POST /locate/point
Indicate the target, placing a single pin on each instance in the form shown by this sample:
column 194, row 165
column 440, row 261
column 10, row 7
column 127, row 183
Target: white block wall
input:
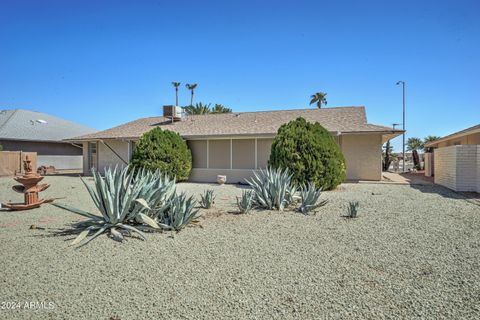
column 458, row 167
column 478, row 168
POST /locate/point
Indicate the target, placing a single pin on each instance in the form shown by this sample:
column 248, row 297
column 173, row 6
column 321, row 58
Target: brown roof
column 457, row 134
column 263, row 123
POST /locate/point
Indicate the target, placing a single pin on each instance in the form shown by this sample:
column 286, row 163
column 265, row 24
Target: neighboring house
column 456, row 160
column 235, row 144
column 30, row 131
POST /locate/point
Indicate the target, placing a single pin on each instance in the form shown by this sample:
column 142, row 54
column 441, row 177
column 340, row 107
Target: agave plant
column 309, row 195
column 157, row 191
column 272, row 188
column 207, row 199
column 179, row 213
column 352, row 209
column 117, row 196
column 245, row 203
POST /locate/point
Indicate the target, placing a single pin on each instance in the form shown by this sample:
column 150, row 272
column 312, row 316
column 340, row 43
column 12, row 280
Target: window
column 219, row 154
column 243, row 154
column 92, row 155
column 199, row 153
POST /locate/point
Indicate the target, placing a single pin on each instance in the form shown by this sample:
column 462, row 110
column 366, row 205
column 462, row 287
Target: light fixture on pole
column 403, row 122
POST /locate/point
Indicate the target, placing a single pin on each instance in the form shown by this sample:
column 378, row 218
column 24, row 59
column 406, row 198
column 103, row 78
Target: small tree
column 198, row 108
column 192, row 88
column 310, row 153
column 220, row 108
column 202, row 108
column 318, row 98
column 387, row 156
column 164, row 150
column 415, row 144
column 176, row 85
column 429, row 139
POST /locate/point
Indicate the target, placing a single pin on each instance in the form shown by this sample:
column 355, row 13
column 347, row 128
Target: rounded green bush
column 164, row 150
column 310, row 153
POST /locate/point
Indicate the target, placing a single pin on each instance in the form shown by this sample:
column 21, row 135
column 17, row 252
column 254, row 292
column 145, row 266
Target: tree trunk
column 176, row 96
column 416, row 159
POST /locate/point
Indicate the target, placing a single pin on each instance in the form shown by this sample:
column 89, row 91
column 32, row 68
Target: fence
column 61, row 162
column 11, row 162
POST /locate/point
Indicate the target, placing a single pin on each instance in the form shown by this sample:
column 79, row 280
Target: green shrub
column 163, row 150
column 310, row 153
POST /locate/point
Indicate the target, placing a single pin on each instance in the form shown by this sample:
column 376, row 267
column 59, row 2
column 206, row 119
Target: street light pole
column 403, row 122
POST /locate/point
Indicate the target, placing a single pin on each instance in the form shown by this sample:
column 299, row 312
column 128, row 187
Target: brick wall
column 458, row 167
column 478, row 168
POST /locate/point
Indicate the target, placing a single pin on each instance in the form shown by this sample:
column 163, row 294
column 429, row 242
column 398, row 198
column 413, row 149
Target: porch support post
column 208, row 153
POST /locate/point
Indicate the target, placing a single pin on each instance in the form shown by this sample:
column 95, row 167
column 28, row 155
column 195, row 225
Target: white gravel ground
column 413, row 253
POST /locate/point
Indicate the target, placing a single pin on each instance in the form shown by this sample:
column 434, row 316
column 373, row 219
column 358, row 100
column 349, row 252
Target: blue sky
column 103, row 63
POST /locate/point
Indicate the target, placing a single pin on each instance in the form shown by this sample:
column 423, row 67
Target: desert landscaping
column 412, row 252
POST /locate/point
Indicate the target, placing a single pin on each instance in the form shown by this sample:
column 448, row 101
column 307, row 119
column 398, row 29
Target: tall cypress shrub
column 310, row 153
column 165, row 150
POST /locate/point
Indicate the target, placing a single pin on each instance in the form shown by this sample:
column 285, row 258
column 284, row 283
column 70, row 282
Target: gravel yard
column 413, row 252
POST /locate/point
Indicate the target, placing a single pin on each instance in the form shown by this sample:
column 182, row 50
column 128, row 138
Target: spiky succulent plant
column 207, row 199
column 245, row 202
column 352, row 209
column 309, row 195
column 179, row 213
column 272, row 188
column 117, row 197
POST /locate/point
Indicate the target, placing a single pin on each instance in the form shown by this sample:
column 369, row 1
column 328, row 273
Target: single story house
column 456, row 160
column 235, row 144
column 30, row 131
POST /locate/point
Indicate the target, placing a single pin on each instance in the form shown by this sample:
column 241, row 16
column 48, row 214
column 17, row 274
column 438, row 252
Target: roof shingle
column 340, row 119
column 26, row 125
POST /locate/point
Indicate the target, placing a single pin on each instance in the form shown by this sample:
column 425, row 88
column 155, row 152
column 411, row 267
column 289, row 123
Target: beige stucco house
column 456, row 160
column 235, row 144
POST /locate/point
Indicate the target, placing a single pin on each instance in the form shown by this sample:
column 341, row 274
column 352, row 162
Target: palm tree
column 415, row 144
column 176, row 85
column 199, row 108
column 319, row 98
column 191, row 87
column 430, row 139
column 220, row 108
